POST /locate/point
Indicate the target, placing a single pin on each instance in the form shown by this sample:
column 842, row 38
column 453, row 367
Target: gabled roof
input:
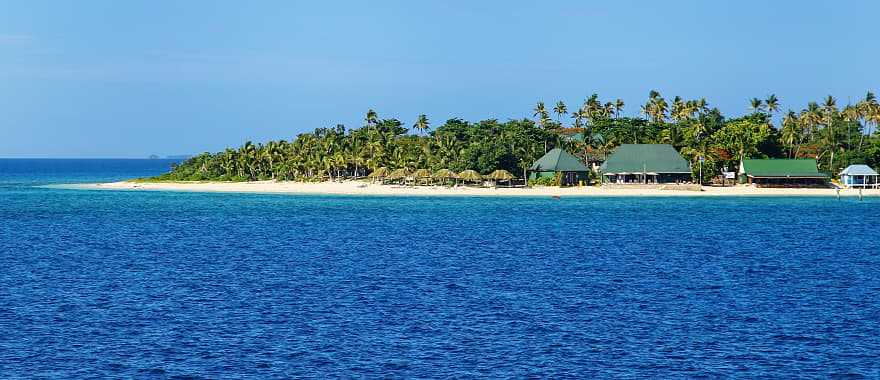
column 558, row 160
column 797, row 168
column 858, row 170
column 649, row 158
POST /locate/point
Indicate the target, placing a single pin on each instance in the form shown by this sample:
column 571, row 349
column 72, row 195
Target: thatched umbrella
column 470, row 176
column 423, row 174
column 500, row 175
column 445, row 175
column 401, row 173
column 379, row 173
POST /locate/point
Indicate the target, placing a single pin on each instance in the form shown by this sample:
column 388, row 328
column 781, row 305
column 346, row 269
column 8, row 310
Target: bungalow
column 782, row 173
column 646, row 163
column 572, row 170
column 859, row 176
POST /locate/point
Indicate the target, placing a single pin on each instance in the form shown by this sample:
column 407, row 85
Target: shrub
column 544, row 181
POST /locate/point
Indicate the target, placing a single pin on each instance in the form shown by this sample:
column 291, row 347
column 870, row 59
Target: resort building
column 859, row 176
column 572, row 170
column 646, row 164
column 782, row 173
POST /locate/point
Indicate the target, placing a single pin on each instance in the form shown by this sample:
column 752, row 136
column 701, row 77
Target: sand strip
column 362, row 188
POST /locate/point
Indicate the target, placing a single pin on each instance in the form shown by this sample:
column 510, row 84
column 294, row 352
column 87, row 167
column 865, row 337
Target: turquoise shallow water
column 164, row 284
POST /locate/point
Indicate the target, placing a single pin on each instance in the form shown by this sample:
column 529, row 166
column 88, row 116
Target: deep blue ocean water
column 165, row 285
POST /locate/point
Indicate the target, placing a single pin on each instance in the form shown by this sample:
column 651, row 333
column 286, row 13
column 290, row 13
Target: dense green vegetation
column 834, row 136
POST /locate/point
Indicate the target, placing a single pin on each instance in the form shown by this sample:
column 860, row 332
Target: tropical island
column 680, row 144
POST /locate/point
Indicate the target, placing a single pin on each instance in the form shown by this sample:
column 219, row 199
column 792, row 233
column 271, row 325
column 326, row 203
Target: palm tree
column 873, row 117
column 772, row 103
column 618, row 107
column 578, row 117
column 560, row 110
column 791, row 133
column 541, row 114
column 756, row 105
column 543, row 119
column 660, row 108
column 830, row 106
column 829, row 112
column 655, row 108
column 270, row 154
column 422, row 124
column 371, row 119
column 808, row 120
column 702, row 106
column 679, row 109
column 607, row 110
column 851, row 115
column 869, row 110
column 228, row 162
column 248, row 158
column 592, row 108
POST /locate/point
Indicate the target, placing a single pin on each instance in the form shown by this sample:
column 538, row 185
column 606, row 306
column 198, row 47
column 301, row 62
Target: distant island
column 711, row 143
column 175, row 157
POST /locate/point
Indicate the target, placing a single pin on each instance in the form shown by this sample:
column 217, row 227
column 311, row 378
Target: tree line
column 834, row 136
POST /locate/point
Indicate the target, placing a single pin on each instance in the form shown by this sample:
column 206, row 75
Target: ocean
column 127, row 284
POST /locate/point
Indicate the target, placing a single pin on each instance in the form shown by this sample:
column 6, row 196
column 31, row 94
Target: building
column 782, row 173
column 571, row 169
column 859, row 176
column 646, row 163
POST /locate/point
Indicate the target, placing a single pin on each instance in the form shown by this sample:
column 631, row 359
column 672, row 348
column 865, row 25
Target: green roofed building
column 646, row 163
column 571, row 169
column 782, row 173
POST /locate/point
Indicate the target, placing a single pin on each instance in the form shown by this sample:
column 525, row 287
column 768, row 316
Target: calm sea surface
column 164, row 284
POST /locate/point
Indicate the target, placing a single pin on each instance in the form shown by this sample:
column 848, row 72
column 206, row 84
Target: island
column 674, row 147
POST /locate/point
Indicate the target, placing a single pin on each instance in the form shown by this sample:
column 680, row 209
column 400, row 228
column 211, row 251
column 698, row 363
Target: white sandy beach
column 363, row 188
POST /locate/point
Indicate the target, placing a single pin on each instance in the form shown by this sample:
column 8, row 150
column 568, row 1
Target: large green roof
column 558, row 160
column 647, row 158
column 799, row 168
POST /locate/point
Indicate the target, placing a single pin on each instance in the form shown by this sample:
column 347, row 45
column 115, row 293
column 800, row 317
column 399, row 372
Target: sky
column 129, row 79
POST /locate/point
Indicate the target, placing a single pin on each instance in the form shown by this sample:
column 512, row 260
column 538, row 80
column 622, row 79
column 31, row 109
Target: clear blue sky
column 132, row 78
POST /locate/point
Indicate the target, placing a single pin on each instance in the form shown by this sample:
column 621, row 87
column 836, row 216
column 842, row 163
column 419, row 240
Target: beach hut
column 470, row 176
column 572, row 171
column 445, row 176
column 801, row 172
column 500, row 175
column 859, row 176
column 378, row 174
column 398, row 175
column 646, row 163
column 422, row 175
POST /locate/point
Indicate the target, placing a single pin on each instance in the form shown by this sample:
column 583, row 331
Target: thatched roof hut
column 399, row 174
column 470, row 175
column 380, row 172
column 500, row 175
column 422, row 173
column 445, row 174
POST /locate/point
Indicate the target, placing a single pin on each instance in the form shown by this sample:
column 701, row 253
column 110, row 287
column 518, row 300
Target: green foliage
column 871, row 156
column 833, row 137
column 545, row 181
column 742, row 137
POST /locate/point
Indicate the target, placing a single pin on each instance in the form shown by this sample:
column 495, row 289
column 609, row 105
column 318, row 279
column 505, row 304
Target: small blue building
column 859, row 176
